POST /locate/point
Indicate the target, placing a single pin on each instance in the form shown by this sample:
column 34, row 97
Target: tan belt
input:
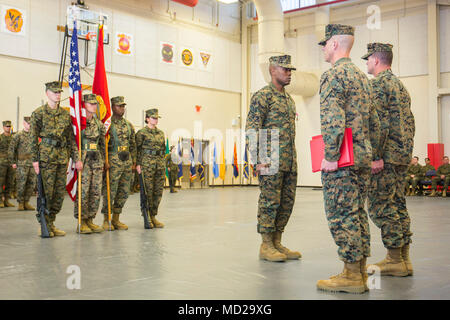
column 90, row 146
column 122, row 148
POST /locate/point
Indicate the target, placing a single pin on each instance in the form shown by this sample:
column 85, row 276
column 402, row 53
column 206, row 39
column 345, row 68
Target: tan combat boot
column 364, row 274
column 95, row 228
column 267, row 250
column 7, row 203
column 105, row 224
column 392, row 265
column 291, row 255
column 350, row 280
column 2, row 204
column 117, row 224
column 28, row 206
column 433, row 194
column 56, row 231
column 156, row 223
column 405, row 256
column 21, row 207
column 444, row 193
column 84, row 229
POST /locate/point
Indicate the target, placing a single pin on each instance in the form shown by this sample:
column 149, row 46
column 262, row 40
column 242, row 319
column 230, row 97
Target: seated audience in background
column 413, row 176
column 442, row 176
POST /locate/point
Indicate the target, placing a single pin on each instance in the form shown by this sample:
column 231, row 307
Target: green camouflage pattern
column 90, row 98
column 387, row 206
column 119, row 100
column 93, row 135
column 336, row 29
column 153, row 166
column 152, row 113
column 120, row 172
column 6, row 123
column 172, row 169
column 345, row 191
column 91, row 191
column 276, row 200
column 54, row 124
column 26, row 183
column 393, row 105
column 386, row 202
column 93, row 162
column 415, row 170
column 445, row 171
column 54, row 181
column 19, row 153
column 282, row 61
column 345, row 102
column 6, row 171
column 273, row 110
column 54, row 86
column 377, row 47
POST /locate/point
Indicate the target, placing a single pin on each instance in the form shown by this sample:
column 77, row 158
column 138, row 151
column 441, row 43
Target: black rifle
column 42, row 208
column 144, row 202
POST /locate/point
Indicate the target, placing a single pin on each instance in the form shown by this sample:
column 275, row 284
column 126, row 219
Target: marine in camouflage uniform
column 387, row 204
column 172, row 168
column 6, row 171
column 151, row 148
column 52, row 124
column 423, row 175
column 20, row 156
column 271, row 118
column 345, row 102
column 121, row 160
column 442, row 175
column 93, row 158
column 413, row 176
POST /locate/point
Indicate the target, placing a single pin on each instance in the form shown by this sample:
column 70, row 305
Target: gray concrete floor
column 209, row 250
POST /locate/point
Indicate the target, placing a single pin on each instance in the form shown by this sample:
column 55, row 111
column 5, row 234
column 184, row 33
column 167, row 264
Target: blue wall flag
column 215, row 165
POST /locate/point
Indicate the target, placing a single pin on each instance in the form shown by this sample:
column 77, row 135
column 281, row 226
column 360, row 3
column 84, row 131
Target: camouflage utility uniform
column 93, row 158
column 272, row 110
column 173, row 172
column 20, row 154
column 6, row 171
column 121, row 157
column 345, row 102
column 416, row 171
column 151, row 148
column 387, row 204
column 57, row 145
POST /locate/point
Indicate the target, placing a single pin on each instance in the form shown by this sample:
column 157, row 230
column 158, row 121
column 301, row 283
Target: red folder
column 318, row 150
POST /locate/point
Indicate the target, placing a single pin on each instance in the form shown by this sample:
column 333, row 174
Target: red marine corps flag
column 77, row 111
column 100, row 88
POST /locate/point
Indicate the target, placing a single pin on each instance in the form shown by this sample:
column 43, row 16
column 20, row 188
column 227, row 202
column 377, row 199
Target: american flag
column 77, row 111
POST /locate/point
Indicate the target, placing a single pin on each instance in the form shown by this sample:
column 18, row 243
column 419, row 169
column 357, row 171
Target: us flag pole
column 78, row 117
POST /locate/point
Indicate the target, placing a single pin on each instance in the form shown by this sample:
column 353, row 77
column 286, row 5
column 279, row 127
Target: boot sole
column 272, row 260
column 353, row 290
column 395, row 274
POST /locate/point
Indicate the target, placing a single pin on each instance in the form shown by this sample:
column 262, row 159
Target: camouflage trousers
column 436, row 180
column 154, row 177
column 91, row 190
column 120, row 177
column 387, row 206
column 413, row 182
column 54, row 181
column 26, row 181
column 172, row 181
column 344, row 193
column 6, row 178
column 276, row 200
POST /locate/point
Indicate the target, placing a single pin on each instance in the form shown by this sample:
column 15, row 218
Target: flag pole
column 108, row 188
column 79, row 185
